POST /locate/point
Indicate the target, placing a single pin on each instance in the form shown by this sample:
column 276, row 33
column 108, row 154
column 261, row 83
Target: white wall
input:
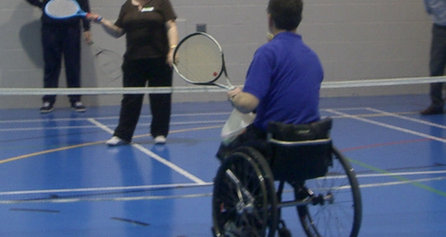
column 355, row 39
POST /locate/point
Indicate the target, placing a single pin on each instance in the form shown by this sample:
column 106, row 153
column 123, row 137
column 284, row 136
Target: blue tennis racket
column 64, row 9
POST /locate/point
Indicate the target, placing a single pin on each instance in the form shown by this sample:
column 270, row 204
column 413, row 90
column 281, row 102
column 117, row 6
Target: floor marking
column 49, row 151
column 369, row 146
column 389, row 126
column 40, row 120
column 196, row 195
column 21, row 129
column 94, row 143
column 99, row 189
column 406, row 118
column 153, row 155
column 399, row 177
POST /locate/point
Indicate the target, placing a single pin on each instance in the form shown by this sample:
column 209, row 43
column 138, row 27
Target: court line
column 196, row 195
column 406, row 118
column 385, row 125
column 21, row 129
column 39, row 120
column 399, row 177
column 156, row 187
column 30, row 155
column 153, row 155
column 49, row 151
column 376, row 169
column 369, row 146
column 153, row 187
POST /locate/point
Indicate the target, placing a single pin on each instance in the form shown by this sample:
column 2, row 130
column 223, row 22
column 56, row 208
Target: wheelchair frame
column 245, row 201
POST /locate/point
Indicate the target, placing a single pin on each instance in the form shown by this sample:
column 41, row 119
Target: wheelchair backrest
column 302, row 151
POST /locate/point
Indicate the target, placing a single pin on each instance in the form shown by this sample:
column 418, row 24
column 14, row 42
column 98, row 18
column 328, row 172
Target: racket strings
column 61, row 8
column 199, row 59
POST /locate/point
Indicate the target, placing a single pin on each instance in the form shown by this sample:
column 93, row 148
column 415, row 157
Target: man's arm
column 243, row 101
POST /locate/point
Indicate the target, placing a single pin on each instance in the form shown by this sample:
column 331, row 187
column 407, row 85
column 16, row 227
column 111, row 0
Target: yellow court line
column 48, row 151
column 16, row 158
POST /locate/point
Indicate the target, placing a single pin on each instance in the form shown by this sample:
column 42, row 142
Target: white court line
column 195, row 185
column 439, row 139
column 101, row 189
column 406, row 118
column 155, row 197
column 153, row 155
column 21, row 129
column 40, row 120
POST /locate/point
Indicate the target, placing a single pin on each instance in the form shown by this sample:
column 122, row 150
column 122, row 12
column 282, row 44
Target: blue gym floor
column 58, row 178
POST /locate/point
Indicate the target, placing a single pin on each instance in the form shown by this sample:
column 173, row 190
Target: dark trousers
column 58, row 42
column 137, row 73
column 437, row 63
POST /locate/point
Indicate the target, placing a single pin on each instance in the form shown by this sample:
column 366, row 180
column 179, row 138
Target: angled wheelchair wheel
column 240, row 203
column 335, row 208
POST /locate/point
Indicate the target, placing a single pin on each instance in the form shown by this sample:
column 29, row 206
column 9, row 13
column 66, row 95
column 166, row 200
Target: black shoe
column 47, row 107
column 78, row 106
column 432, row 110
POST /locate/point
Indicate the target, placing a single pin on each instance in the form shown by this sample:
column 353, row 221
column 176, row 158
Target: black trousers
column 138, row 73
column 61, row 42
column 437, row 63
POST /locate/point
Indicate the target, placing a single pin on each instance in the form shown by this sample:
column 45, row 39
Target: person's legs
column 437, row 65
column 160, row 104
column 130, row 104
column 72, row 56
column 52, row 56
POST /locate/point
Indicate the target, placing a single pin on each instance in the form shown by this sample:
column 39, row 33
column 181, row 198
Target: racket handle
column 94, row 17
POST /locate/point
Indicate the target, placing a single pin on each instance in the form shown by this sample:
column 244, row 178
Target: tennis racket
column 108, row 61
column 64, row 9
column 199, row 60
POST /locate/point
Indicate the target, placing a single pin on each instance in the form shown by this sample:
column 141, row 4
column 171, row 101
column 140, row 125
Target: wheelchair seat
column 300, row 152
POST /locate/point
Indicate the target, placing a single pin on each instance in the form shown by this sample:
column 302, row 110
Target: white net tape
column 201, row 89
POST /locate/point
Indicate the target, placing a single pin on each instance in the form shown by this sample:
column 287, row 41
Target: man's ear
column 270, row 23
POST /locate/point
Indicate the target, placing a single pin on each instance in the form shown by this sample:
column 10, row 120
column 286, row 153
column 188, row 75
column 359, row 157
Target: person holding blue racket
column 283, row 80
column 151, row 37
column 61, row 39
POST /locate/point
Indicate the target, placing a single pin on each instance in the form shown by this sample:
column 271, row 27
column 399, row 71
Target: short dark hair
column 286, row 14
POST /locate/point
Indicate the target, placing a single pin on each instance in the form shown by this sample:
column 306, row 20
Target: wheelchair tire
column 273, row 215
column 240, row 198
column 337, row 210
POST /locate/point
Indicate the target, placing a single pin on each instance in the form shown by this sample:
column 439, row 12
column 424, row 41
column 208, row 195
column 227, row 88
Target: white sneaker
column 160, row 140
column 115, row 141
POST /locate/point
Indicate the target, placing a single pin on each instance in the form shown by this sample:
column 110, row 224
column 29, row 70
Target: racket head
column 63, row 9
column 198, row 59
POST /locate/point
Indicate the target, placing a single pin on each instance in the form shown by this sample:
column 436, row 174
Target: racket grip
column 94, row 17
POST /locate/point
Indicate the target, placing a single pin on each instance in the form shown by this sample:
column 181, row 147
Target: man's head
column 285, row 14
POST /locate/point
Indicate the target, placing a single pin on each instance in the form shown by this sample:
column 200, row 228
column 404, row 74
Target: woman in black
column 151, row 37
column 62, row 37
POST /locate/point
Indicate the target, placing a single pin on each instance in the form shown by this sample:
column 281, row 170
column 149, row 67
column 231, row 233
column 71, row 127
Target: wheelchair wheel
column 336, row 208
column 273, row 211
column 240, row 203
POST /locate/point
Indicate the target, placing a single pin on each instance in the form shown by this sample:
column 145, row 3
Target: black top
column 145, row 29
column 46, row 20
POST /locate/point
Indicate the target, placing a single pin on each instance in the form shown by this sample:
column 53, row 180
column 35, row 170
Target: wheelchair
column 248, row 186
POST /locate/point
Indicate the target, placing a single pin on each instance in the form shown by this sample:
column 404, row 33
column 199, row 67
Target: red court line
column 384, row 144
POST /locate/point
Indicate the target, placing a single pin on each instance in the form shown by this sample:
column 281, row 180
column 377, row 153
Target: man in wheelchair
column 283, row 81
column 287, row 142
